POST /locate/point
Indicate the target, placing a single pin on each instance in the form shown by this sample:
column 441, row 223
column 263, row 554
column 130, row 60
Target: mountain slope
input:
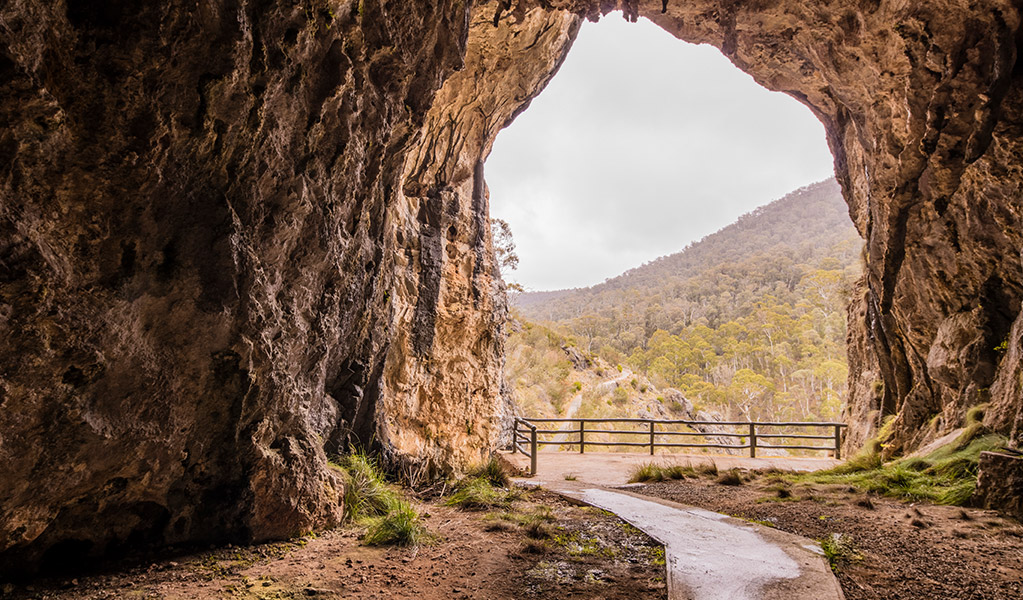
column 750, row 320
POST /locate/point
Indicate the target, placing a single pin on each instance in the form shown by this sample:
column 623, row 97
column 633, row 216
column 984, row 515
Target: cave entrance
column 622, row 160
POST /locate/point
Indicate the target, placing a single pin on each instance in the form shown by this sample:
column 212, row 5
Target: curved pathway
column 709, row 556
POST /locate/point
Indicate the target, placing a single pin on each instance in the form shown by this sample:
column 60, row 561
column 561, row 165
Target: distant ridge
column 807, row 220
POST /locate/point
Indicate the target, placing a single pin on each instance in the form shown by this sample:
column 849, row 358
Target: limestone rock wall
column 237, row 235
column 199, row 224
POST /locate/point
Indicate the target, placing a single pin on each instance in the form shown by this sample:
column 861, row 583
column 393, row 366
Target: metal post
column 515, row 436
column 838, row 442
column 582, row 436
column 532, row 452
column 752, row 439
column 651, row 438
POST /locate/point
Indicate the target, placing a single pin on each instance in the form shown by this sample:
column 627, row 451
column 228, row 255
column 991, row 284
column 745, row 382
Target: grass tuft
column 651, row 472
column 709, row 469
column 730, row 477
column 493, row 471
column 477, row 493
column 400, row 527
column 390, row 519
column 647, row 472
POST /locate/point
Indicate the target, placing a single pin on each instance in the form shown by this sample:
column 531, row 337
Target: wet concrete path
column 711, row 556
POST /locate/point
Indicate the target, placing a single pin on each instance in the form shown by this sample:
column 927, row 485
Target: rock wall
column 238, row 235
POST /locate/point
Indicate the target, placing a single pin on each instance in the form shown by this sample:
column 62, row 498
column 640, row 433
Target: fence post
column 651, row 438
column 752, row 439
column 582, row 436
column 515, row 436
column 838, row 442
column 532, row 452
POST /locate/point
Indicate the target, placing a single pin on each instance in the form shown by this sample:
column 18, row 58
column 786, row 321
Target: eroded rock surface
column 236, row 235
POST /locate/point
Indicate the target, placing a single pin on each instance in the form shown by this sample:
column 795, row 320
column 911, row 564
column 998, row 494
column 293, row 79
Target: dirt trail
column 573, row 407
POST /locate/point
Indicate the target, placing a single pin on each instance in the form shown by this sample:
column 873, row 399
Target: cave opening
column 609, row 181
column 619, row 161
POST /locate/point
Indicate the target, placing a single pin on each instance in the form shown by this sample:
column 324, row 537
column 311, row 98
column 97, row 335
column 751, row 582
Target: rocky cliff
column 237, row 235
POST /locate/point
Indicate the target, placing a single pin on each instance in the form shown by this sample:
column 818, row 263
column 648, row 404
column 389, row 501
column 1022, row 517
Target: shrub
column 619, row 396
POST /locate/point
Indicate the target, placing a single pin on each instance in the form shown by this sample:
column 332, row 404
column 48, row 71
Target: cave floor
column 584, row 553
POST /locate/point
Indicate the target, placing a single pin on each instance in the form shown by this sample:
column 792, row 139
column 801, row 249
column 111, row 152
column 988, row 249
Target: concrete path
column 612, row 468
column 710, row 556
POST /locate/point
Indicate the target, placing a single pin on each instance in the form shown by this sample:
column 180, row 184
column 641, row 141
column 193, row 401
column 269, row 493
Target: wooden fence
column 653, row 434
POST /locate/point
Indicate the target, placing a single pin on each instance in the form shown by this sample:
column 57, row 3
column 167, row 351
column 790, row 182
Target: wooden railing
column 526, row 435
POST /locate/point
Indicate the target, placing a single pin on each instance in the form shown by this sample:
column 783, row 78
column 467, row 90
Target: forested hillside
column 749, row 321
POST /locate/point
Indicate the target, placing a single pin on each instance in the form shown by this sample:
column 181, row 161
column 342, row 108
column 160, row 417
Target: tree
column 504, row 250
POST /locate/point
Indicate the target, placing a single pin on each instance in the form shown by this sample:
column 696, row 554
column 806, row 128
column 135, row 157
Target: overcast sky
column 640, row 145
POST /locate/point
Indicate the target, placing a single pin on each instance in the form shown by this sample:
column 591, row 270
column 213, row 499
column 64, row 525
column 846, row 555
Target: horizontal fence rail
column 653, row 434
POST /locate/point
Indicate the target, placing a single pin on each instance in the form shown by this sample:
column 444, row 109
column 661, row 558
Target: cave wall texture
column 236, row 236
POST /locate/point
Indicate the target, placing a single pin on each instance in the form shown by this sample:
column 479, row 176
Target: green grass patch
column 946, row 476
column 400, row 527
column 577, row 544
column 369, row 500
column 478, row 493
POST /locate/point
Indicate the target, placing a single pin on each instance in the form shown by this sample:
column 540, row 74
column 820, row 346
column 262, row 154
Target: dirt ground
column 583, row 553
column 899, row 550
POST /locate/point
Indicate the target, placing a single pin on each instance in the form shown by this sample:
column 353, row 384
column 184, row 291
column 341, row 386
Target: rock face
column 1000, row 483
column 236, row 236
